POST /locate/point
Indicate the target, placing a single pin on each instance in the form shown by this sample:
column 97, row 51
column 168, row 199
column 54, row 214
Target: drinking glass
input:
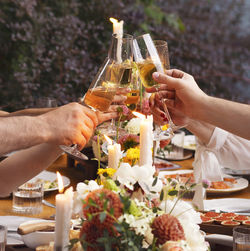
column 115, row 72
column 27, row 199
column 98, row 97
column 151, row 57
column 241, row 239
column 133, row 96
column 3, row 237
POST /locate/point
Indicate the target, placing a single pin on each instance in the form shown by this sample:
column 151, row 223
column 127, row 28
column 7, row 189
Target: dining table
column 79, row 171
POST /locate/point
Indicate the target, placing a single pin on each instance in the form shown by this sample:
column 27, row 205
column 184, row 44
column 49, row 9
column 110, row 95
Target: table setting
column 138, row 197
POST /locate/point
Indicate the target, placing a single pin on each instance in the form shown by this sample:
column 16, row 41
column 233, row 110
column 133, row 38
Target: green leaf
column 111, row 211
column 105, row 204
column 173, row 192
column 155, row 181
column 161, row 195
column 90, row 216
column 102, row 216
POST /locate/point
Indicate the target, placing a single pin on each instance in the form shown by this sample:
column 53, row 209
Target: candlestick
column 146, row 141
column 64, row 204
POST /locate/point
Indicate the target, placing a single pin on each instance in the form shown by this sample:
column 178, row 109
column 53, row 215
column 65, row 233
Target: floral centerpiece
column 130, row 208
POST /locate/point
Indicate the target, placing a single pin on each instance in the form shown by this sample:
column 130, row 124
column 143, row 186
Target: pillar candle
column 114, row 155
column 146, row 141
column 64, row 204
column 118, row 30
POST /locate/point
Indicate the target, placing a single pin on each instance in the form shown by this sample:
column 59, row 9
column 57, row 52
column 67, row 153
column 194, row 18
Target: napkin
column 206, row 167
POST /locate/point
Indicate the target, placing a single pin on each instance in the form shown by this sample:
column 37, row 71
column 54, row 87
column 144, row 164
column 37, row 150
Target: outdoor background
column 54, row 48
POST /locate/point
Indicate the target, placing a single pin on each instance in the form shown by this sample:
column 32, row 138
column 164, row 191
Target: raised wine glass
column 113, row 72
column 98, row 97
column 121, row 52
column 151, row 57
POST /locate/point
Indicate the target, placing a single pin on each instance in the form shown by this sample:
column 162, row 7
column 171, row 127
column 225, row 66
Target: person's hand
column 181, row 91
column 120, row 96
column 156, row 106
column 70, row 124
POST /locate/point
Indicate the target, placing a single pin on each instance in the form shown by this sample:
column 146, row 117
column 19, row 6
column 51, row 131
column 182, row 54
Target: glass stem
column 171, row 123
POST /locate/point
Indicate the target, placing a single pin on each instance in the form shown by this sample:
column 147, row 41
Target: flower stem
column 99, row 151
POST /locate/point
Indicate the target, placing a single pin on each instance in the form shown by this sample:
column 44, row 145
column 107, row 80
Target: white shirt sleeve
column 232, row 151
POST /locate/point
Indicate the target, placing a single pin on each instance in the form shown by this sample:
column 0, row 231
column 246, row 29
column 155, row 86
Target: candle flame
column 113, row 20
column 108, row 139
column 60, row 182
column 139, row 115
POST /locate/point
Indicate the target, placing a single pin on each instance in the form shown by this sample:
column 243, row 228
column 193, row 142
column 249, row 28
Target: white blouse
column 232, row 151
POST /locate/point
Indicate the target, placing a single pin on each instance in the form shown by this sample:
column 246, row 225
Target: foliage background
column 54, row 48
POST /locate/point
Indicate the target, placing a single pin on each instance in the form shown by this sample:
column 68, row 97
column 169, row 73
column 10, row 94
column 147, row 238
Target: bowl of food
column 37, row 232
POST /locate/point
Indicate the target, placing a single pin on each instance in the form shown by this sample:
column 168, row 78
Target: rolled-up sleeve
column 232, row 151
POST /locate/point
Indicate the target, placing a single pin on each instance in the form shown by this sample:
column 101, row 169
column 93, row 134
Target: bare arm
column 190, row 100
column 23, row 165
column 230, row 116
column 20, row 132
column 27, row 112
column 201, row 130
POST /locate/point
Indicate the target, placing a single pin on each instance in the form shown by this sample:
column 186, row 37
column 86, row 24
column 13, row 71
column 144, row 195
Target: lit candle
column 117, row 27
column 114, row 153
column 64, row 204
column 146, row 139
column 118, row 30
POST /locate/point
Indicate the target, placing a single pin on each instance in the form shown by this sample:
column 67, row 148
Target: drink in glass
column 241, row 239
column 27, row 199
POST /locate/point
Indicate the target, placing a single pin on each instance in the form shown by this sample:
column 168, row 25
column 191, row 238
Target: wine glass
column 114, row 72
column 133, row 96
column 121, row 52
column 98, row 97
column 151, row 57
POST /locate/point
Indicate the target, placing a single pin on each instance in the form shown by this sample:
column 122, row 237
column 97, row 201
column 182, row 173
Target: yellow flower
column 165, row 127
column 109, row 171
column 132, row 156
column 133, row 153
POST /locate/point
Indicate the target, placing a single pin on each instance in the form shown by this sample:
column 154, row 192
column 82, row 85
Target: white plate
column 46, row 175
column 233, row 205
column 241, row 184
column 189, row 142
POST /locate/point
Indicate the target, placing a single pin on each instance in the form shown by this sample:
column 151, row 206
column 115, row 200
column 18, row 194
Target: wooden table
column 86, row 170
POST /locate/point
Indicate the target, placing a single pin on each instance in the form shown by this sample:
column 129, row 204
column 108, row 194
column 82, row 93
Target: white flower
column 144, row 176
column 125, row 175
column 82, row 191
column 189, row 220
column 133, row 126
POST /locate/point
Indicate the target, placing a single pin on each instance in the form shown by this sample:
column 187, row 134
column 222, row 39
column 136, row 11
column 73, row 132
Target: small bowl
column 38, row 238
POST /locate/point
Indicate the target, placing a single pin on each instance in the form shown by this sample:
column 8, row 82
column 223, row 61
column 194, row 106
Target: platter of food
column 163, row 165
column 228, row 185
column 222, row 222
column 49, row 180
column 180, row 175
